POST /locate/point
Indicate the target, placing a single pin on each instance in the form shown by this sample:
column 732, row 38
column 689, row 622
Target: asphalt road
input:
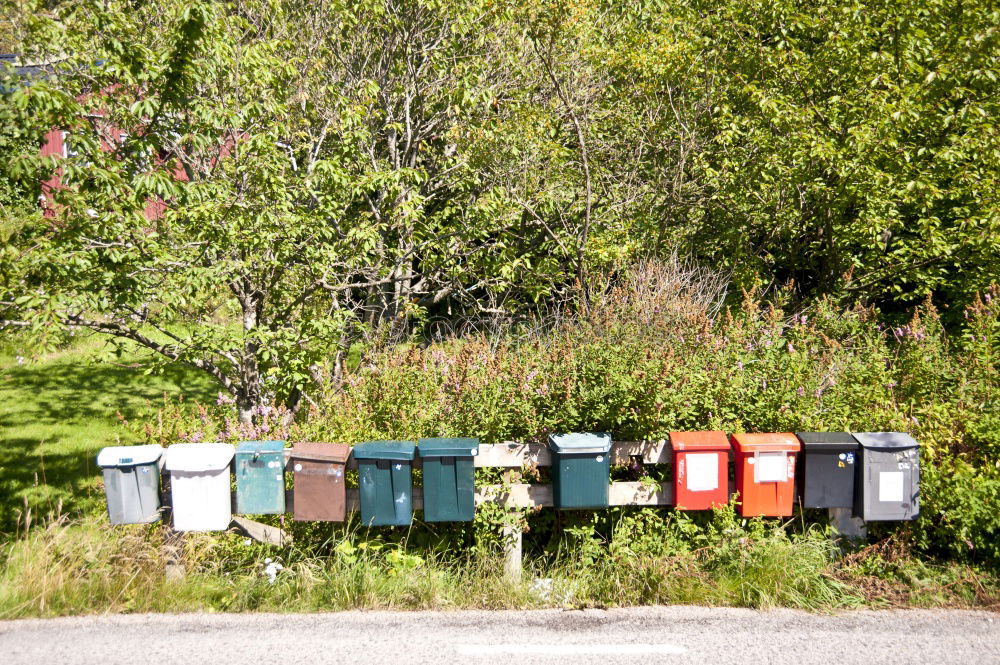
column 647, row 635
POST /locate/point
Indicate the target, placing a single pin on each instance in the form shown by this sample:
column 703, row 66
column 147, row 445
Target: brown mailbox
column 319, row 481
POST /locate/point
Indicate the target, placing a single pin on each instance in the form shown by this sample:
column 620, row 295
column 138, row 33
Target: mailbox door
column 201, row 500
column 320, row 494
column 260, row 483
column 890, row 484
column 386, row 492
column 828, row 478
column 449, row 489
column 119, row 487
column 701, row 479
column 766, row 483
column 133, row 493
column 147, row 482
column 581, row 480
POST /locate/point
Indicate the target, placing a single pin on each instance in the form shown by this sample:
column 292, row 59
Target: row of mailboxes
column 200, row 481
column 877, row 474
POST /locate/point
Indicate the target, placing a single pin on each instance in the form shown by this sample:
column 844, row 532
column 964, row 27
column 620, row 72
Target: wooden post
column 173, row 541
column 848, row 527
column 512, row 548
column 512, row 534
column 173, row 554
column 262, row 533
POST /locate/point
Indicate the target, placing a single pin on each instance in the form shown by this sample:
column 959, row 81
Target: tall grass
column 69, row 568
column 82, row 567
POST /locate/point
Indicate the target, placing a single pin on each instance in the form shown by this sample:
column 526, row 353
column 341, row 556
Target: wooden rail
column 513, row 454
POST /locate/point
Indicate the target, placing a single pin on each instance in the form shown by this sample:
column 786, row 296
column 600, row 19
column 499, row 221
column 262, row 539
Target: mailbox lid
column 440, row 447
column 834, row 442
column 576, row 443
column 764, row 442
column 714, row 440
column 199, row 457
column 886, row 440
column 332, row 453
column 259, row 447
column 387, row 450
column 115, row 456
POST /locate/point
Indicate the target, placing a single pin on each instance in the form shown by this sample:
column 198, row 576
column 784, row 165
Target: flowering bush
column 640, row 362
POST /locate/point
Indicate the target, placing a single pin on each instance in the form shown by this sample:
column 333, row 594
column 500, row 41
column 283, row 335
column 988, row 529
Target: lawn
column 58, row 410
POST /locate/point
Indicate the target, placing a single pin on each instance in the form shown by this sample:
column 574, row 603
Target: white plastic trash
column 200, row 485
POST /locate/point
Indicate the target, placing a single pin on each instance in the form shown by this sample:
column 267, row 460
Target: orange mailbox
column 701, row 469
column 765, row 473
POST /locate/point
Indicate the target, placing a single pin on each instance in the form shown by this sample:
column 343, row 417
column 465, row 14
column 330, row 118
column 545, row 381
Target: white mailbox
column 199, row 485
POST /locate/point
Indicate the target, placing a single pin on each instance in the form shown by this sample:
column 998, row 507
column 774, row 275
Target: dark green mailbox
column 260, row 477
column 581, row 470
column 826, row 473
column 889, row 477
column 385, row 474
column 449, row 479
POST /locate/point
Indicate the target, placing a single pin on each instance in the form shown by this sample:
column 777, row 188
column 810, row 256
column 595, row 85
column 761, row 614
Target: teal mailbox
column 449, row 479
column 581, row 470
column 385, row 476
column 260, row 477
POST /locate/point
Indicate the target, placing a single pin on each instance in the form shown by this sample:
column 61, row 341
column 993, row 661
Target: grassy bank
column 69, row 568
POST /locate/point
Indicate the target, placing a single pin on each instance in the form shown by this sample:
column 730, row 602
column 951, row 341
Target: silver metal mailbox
column 888, row 483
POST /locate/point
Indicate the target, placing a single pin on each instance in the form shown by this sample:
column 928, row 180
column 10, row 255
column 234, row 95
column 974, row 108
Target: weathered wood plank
column 263, row 533
column 513, row 454
column 524, row 495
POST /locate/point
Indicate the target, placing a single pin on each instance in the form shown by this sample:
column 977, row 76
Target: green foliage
column 867, row 131
column 637, row 367
column 341, row 170
column 611, row 367
column 643, row 360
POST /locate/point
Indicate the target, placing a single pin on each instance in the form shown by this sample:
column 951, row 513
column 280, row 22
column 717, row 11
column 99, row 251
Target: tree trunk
column 246, row 409
column 249, row 396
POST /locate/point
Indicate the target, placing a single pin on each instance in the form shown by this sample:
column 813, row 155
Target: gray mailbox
column 888, row 477
column 132, row 483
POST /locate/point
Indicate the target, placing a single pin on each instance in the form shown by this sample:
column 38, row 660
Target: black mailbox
column 827, row 474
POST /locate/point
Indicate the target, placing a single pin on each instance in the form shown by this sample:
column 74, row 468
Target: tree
column 853, row 147
column 310, row 168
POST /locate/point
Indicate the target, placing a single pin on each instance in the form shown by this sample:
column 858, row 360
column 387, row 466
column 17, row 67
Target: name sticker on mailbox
column 890, row 486
column 702, row 471
column 771, row 468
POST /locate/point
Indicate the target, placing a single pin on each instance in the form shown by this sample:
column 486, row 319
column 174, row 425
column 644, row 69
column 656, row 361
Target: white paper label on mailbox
column 771, row 468
column 890, row 486
column 702, row 472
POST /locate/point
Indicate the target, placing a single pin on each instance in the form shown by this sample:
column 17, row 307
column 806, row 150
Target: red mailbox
column 701, row 469
column 765, row 473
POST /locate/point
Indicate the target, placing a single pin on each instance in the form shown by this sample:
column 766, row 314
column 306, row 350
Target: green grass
column 73, row 567
column 58, row 410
